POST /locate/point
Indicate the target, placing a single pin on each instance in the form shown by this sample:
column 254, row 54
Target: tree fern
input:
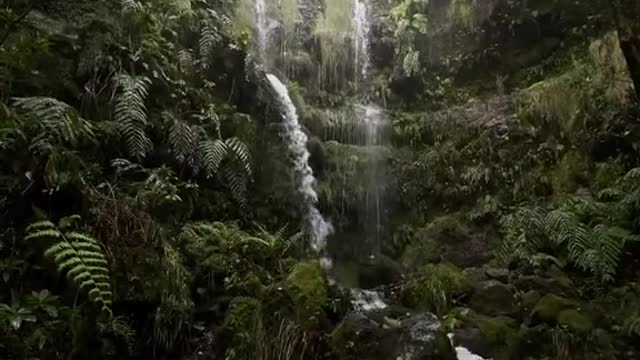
column 79, row 256
column 131, row 113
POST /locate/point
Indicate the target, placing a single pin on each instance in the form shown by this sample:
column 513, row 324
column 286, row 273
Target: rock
column 423, row 339
column 417, row 337
column 489, row 337
column 550, row 306
column 530, row 299
column 536, row 341
column 559, row 284
column 307, row 287
column 498, row 274
column 476, row 274
column 494, row 298
column 575, row 320
column 359, row 337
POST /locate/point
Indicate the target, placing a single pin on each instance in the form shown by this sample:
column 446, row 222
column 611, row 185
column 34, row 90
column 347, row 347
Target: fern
column 79, row 256
column 183, row 139
column 131, row 113
column 209, row 38
column 55, row 123
column 132, row 7
column 583, row 231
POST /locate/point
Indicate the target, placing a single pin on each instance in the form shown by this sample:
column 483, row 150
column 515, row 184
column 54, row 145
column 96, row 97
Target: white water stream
column 296, row 139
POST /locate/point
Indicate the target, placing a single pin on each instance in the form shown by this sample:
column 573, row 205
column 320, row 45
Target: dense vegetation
column 148, row 210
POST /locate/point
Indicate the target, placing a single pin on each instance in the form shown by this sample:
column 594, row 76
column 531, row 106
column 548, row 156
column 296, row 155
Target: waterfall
column 296, row 140
column 361, row 29
column 262, row 29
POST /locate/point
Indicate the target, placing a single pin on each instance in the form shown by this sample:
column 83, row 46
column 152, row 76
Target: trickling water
column 296, row 139
column 361, row 29
column 367, row 300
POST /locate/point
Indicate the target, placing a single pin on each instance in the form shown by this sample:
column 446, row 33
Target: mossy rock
column 494, row 298
column 575, row 321
column 550, row 306
column 307, row 287
column 491, row 337
column 433, row 282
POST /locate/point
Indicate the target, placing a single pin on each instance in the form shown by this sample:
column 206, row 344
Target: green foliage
column 78, row 255
column 591, row 235
column 131, row 113
column 409, row 22
column 244, row 320
column 436, row 287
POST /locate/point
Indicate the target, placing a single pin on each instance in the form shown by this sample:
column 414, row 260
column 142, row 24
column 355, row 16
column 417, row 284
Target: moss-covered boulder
column 550, row 306
column 490, row 337
column 575, row 320
column 435, row 287
column 307, row 287
column 494, row 298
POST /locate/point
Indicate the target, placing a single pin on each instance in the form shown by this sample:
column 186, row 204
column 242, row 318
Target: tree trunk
column 627, row 17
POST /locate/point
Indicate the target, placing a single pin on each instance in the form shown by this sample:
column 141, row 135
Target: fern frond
column 237, row 182
column 79, row 256
column 209, row 38
column 239, row 152
column 213, row 153
column 57, row 121
column 183, row 139
column 131, row 113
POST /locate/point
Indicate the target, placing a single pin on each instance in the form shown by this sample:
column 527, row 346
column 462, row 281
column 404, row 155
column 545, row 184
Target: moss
column 550, row 306
column 436, row 286
column 553, row 105
column 307, row 287
column 575, row 320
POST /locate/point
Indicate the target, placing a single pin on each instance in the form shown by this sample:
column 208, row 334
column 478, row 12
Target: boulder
column 423, row 338
column 494, row 298
column 530, row 299
column 489, row 337
column 417, row 337
column 575, row 320
column 498, row 274
column 559, row 284
column 550, row 306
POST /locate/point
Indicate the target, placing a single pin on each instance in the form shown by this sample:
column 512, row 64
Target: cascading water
column 318, row 228
column 296, row 139
column 361, row 29
column 373, row 124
